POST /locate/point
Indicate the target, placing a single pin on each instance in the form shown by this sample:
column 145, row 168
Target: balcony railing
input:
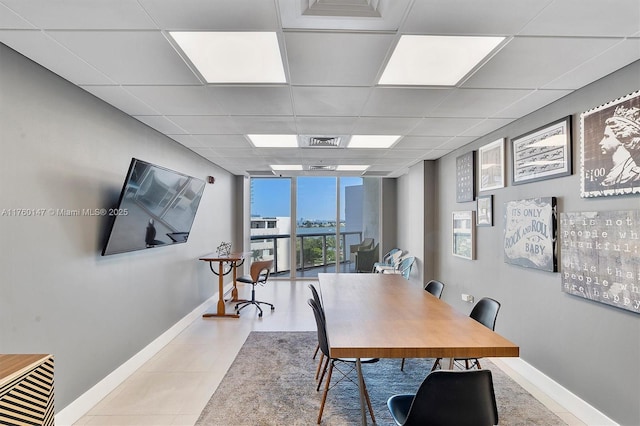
column 309, row 254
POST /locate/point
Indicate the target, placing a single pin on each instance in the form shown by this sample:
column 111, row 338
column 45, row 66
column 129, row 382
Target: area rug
column 271, row 382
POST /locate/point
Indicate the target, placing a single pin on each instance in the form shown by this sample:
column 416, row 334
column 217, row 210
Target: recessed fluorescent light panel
column 274, row 141
column 286, row 167
column 351, row 168
column 372, row 141
column 436, row 60
column 233, row 57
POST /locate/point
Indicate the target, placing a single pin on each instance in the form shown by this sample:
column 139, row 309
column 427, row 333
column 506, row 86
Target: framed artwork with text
column 530, row 233
column 599, row 257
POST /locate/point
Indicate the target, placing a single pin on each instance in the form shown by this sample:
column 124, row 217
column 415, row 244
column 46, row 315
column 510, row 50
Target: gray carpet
column 271, row 382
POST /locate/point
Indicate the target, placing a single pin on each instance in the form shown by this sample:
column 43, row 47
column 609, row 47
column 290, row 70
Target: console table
column 230, row 262
column 26, row 389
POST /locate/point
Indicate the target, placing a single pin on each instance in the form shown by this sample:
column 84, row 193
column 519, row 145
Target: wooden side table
column 226, row 264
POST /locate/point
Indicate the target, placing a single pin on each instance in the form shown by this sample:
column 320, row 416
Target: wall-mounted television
column 156, row 208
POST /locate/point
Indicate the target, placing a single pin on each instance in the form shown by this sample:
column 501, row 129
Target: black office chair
column 434, row 287
column 334, row 363
column 446, row 397
column 259, row 274
column 485, row 312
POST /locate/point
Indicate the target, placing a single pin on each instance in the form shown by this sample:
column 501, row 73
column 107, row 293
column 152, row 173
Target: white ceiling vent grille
column 321, row 168
column 356, row 8
column 321, row 141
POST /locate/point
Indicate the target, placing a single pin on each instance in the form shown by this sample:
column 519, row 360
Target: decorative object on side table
column 224, row 249
column 544, row 153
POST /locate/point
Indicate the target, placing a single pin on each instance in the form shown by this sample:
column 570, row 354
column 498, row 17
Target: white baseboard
column 562, row 396
column 79, row 407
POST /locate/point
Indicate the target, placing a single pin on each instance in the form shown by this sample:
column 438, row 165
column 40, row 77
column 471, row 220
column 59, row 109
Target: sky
column 316, row 196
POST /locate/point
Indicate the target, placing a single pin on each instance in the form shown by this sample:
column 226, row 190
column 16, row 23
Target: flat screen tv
column 156, row 208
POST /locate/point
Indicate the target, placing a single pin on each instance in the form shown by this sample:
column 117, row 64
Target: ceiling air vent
column 321, row 168
column 321, row 141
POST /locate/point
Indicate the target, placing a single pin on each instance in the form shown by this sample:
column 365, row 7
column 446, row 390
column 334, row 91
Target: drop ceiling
column 333, row 52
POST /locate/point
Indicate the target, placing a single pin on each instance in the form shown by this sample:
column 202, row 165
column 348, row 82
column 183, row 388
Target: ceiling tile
column 444, row 126
column 486, row 126
column 530, row 103
column 221, row 141
column 398, row 101
column 421, row 142
column 533, row 62
column 479, row 103
column 463, row 17
column 218, row 15
column 178, row 100
column 161, row 124
column 81, row 14
column 325, row 126
column 336, row 59
column 254, row 100
column 384, row 125
column 204, row 124
column 329, row 101
column 121, row 98
column 40, row 48
column 586, row 18
column 129, row 57
column 264, row 125
column 10, row 19
column 620, row 55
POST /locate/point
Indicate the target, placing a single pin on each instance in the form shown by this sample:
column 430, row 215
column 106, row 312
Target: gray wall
column 590, row 348
column 62, row 148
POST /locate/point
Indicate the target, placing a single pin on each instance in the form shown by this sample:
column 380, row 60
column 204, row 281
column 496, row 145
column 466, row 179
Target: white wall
column 411, row 213
column 62, row 148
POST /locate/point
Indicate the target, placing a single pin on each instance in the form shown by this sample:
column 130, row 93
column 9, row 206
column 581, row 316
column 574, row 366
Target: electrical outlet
column 467, row 298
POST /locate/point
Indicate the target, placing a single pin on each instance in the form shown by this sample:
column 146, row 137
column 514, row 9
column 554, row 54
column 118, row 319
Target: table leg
column 361, row 387
column 221, row 307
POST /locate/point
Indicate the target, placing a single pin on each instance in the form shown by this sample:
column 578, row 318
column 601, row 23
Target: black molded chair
column 259, row 274
column 485, row 312
column 335, row 363
column 445, row 398
column 316, row 297
column 433, row 287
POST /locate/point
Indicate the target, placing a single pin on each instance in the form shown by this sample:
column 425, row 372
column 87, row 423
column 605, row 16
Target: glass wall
column 331, row 215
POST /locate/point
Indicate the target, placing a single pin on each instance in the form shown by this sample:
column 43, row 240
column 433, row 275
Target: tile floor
column 173, row 387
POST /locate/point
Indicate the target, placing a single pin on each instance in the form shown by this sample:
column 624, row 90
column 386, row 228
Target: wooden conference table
column 386, row 316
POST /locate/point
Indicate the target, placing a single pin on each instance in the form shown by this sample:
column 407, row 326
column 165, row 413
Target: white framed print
column 491, row 174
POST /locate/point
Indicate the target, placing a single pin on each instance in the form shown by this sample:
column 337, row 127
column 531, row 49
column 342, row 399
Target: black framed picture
column 544, row 153
column 610, row 148
column 465, row 177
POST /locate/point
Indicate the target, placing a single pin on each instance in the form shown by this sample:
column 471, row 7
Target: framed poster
column 599, row 257
column 610, row 148
column 544, row 153
column 463, row 241
column 465, row 177
column 530, row 233
column 484, row 210
column 491, row 166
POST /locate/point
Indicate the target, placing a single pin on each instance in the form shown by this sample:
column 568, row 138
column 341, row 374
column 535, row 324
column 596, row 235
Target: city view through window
column 329, row 218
